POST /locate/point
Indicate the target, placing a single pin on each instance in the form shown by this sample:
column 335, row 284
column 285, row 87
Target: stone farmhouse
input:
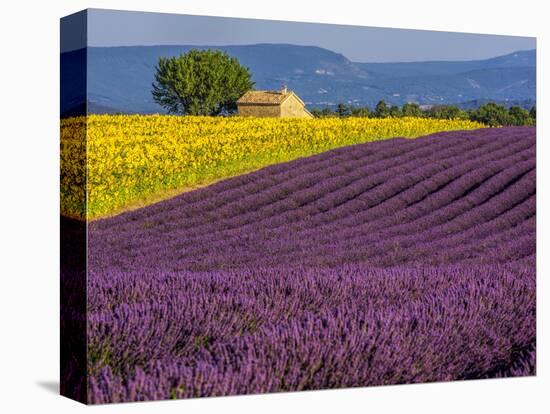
column 279, row 104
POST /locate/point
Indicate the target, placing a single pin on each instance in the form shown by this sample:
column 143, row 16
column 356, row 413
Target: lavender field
column 392, row 262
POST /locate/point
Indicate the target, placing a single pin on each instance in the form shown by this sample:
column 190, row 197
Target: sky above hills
column 360, row 44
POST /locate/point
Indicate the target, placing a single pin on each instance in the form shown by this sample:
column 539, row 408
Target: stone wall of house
column 259, row 110
column 292, row 108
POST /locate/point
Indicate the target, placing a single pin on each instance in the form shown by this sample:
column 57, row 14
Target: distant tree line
column 490, row 114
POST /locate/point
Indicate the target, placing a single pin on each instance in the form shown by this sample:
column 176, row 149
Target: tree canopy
column 395, row 111
column 533, row 113
column 446, row 112
column 381, row 110
column 518, row 116
column 491, row 114
column 411, row 109
column 343, row 110
column 200, row 82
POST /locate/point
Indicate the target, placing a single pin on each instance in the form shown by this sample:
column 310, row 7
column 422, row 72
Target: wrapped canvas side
column 73, row 180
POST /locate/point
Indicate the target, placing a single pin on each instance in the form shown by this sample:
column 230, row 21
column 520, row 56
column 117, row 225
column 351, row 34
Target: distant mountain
column 525, row 58
column 119, row 78
column 504, row 79
column 526, row 103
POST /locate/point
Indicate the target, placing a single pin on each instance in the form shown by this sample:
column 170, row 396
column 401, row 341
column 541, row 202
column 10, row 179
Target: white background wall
column 29, row 239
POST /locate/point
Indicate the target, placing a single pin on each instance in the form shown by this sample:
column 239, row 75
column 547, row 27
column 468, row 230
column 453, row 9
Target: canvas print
column 252, row 206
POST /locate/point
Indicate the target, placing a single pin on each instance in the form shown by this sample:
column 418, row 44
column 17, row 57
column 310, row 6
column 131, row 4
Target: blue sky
column 360, row 44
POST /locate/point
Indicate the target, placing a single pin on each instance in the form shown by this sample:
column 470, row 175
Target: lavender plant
column 390, row 262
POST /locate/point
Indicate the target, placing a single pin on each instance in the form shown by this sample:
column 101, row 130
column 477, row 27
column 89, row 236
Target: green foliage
column 360, row 112
column 177, row 392
column 492, row 114
column 394, row 111
column 411, row 109
column 533, row 114
column 446, row 112
column 381, row 110
column 343, row 110
column 202, row 341
column 200, row 82
column 518, row 116
column 99, row 355
column 316, row 112
column 326, row 112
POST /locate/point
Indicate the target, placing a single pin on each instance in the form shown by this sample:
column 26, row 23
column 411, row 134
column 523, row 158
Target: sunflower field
column 111, row 163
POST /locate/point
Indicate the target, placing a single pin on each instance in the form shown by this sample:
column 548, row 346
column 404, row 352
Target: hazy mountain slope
column 119, row 78
column 524, row 58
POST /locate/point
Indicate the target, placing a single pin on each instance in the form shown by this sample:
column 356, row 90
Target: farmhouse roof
column 266, row 97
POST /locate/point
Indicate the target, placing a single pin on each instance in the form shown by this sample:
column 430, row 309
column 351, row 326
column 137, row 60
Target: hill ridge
column 119, row 78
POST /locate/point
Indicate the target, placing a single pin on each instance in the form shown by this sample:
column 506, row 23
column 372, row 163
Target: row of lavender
column 393, row 262
column 399, row 197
